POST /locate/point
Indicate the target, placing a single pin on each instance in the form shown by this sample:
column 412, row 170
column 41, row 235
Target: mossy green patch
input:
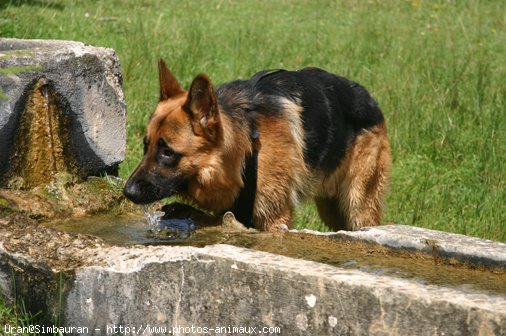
column 3, row 96
column 64, row 197
column 14, row 70
column 4, row 203
column 6, row 54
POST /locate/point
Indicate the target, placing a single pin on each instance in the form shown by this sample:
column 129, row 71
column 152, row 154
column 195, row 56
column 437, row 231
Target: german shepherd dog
column 259, row 147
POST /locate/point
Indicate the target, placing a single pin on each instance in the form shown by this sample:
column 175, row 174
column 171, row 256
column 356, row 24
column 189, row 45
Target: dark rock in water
column 173, row 228
column 179, row 221
column 178, row 210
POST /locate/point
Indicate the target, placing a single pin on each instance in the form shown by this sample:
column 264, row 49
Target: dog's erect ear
column 202, row 106
column 169, row 86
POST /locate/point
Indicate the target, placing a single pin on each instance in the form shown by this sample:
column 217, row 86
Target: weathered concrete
column 86, row 82
column 466, row 249
column 104, row 286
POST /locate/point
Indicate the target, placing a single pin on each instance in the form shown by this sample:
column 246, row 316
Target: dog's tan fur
column 353, row 195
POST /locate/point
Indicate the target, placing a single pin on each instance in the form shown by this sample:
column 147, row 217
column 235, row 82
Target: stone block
column 71, row 85
column 85, row 283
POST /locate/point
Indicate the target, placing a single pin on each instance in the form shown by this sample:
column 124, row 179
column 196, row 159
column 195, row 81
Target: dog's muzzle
column 145, row 189
column 141, row 191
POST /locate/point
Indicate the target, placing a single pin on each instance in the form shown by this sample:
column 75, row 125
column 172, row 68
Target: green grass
column 437, row 68
column 15, row 316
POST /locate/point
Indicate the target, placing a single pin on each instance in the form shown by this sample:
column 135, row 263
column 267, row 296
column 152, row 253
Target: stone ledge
column 226, row 285
column 466, row 249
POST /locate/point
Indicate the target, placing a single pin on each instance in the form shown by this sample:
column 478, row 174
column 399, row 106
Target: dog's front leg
column 271, row 216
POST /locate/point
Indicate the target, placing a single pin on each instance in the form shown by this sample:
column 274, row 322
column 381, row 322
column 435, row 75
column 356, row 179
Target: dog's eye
column 167, row 153
column 168, row 158
column 164, row 150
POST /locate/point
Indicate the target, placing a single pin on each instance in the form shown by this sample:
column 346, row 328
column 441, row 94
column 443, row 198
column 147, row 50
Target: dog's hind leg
column 353, row 195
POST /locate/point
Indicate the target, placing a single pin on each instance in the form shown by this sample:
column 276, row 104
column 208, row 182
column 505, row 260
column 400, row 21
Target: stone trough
column 99, row 276
column 80, row 281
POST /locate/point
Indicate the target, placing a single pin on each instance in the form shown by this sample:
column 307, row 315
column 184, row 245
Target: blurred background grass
column 437, row 68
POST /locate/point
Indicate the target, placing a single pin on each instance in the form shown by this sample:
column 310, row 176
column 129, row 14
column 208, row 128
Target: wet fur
column 321, row 136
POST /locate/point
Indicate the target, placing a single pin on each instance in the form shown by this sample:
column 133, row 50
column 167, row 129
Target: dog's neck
column 218, row 185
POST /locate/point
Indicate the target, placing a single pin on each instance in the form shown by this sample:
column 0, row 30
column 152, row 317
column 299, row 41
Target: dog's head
column 181, row 140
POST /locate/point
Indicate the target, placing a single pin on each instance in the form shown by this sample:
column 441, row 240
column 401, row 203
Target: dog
column 259, row 147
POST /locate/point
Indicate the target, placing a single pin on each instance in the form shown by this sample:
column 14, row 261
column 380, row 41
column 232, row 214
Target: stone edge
column 471, row 250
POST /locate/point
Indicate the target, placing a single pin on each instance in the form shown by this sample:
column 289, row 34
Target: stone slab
column 157, row 288
column 88, row 83
column 466, row 249
column 223, row 285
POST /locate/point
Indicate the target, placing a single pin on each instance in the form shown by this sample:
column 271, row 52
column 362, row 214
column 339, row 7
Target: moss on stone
column 7, row 54
column 14, row 70
column 3, row 96
column 4, row 203
column 65, row 197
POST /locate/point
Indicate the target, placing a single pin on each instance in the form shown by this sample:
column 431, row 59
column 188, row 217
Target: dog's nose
column 133, row 191
column 140, row 191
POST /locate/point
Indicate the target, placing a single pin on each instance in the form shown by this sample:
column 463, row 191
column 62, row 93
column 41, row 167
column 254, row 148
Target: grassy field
column 437, row 68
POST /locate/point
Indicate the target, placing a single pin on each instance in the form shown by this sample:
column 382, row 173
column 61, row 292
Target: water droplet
column 153, row 218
